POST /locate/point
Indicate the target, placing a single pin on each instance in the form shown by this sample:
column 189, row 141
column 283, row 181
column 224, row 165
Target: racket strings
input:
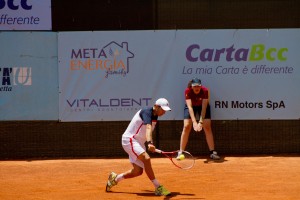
column 186, row 161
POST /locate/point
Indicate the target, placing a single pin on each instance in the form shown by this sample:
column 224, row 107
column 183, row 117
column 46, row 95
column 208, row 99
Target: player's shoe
column 111, row 181
column 214, row 155
column 161, row 191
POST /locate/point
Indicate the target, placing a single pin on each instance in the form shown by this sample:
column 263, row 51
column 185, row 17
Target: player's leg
column 132, row 149
column 187, row 127
column 159, row 189
column 134, row 172
column 114, row 178
column 145, row 158
column 209, row 134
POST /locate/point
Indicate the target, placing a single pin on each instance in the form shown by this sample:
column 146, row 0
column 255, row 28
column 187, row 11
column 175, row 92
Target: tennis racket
column 185, row 161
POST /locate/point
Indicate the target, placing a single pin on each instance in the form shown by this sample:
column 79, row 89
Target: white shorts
column 133, row 149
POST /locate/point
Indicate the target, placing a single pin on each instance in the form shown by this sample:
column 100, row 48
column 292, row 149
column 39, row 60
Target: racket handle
column 158, row 151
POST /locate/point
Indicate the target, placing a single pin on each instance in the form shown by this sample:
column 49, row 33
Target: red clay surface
column 235, row 178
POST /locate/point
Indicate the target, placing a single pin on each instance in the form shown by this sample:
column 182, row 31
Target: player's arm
column 203, row 111
column 192, row 114
column 205, row 102
column 149, row 140
column 191, row 111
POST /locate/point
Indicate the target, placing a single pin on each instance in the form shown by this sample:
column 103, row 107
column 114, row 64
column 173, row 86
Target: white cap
column 163, row 103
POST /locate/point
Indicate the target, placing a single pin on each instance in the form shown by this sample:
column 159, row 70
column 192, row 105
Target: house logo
column 113, row 59
column 120, row 56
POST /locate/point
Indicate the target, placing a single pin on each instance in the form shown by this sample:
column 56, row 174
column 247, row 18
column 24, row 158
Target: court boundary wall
column 52, row 139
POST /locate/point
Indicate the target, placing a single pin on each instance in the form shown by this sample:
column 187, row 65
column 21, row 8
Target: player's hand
column 200, row 126
column 196, row 127
column 151, row 148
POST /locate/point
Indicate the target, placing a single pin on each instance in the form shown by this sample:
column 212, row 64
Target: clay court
column 234, row 178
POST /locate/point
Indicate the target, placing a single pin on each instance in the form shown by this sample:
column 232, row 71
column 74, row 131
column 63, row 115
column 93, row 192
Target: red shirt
column 196, row 98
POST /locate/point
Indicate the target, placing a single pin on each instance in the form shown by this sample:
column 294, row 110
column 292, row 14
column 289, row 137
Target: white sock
column 119, row 178
column 155, row 183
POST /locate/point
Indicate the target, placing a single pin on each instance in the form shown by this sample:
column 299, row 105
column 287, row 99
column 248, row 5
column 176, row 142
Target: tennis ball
column 181, row 157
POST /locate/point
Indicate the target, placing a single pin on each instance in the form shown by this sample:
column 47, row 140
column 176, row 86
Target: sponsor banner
column 28, row 76
column 25, row 15
column 108, row 76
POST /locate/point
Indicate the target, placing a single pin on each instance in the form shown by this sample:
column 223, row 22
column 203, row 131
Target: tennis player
column 136, row 141
column 197, row 108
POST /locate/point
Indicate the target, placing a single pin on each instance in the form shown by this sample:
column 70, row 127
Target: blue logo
column 14, row 6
